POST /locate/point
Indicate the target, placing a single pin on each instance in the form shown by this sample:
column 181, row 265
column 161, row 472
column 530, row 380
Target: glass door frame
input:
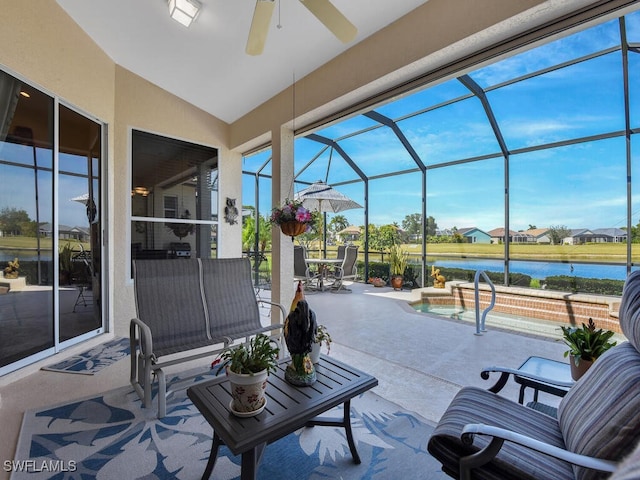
column 101, row 177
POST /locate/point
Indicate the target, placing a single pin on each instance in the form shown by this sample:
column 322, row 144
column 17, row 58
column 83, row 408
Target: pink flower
column 290, row 211
column 303, row 215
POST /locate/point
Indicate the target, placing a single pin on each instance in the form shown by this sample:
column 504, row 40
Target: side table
column 553, row 370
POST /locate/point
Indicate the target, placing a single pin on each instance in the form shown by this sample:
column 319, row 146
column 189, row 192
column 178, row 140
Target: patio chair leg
column 162, row 394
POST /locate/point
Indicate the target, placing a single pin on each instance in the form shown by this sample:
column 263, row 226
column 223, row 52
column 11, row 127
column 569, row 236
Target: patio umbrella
column 324, row 198
column 89, row 203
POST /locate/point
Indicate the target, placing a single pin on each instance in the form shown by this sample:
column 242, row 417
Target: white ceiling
column 205, row 64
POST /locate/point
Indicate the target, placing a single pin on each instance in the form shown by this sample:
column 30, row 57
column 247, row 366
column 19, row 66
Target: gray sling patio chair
column 346, row 271
column 184, row 305
column 231, row 301
column 482, row 435
column 301, row 269
column 82, row 277
column 170, row 319
column 340, row 256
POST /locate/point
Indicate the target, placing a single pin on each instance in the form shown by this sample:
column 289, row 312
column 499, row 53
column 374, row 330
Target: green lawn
column 615, row 252
column 599, row 252
column 31, row 243
column 24, row 242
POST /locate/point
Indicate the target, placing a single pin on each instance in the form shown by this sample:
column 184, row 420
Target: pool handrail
column 480, row 323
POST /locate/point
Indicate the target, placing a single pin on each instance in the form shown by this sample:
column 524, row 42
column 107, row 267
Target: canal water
column 539, row 270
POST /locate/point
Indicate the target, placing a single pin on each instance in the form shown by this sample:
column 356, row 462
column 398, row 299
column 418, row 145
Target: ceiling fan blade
column 332, row 18
column 259, row 26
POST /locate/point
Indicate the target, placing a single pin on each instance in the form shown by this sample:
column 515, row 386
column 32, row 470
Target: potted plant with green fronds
column 248, row 366
column 398, row 263
column 585, row 344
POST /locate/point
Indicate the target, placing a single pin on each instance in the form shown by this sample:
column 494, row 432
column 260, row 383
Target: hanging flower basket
column 292, row 218
column 293, row 228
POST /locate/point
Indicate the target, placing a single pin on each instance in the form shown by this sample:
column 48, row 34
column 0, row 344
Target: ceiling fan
column 324, row 11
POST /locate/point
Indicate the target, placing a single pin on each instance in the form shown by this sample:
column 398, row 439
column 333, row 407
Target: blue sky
column 580, row 186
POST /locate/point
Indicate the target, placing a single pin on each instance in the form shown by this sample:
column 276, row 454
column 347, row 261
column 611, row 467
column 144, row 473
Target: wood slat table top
column 288, row 407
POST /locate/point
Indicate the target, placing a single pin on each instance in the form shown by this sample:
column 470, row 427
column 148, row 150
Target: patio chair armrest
column 505, row 372
column 268, row 328
column 140, row 331
column 502, row 434
column 275, row 304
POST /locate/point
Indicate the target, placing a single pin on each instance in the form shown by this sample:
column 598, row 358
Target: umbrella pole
column 324, row 234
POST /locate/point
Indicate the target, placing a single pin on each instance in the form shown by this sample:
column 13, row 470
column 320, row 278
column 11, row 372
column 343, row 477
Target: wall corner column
column 229, row 185
column 282, row 290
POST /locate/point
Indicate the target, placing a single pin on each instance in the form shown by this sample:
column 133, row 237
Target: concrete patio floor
column 421, row 361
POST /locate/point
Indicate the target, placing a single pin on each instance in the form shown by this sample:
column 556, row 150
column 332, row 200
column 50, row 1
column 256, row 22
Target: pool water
column 497, row 319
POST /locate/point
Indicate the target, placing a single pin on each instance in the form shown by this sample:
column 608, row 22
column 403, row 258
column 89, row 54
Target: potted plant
column 292, row 218
column 322, row 337
column 398, row 265
column 585, row 344
column 248, row 366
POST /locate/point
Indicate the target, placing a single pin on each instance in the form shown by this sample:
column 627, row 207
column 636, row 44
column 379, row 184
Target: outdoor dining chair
column 346, row 271
column 301, row 269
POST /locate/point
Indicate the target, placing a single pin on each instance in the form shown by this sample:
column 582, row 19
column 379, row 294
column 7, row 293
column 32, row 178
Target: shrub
column 598, row 286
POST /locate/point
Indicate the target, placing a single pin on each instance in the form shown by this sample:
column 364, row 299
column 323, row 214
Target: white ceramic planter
column 315, row 352
column 247, row 392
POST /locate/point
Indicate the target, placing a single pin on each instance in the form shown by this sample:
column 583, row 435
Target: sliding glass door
column 50, row 224
column 79, row 224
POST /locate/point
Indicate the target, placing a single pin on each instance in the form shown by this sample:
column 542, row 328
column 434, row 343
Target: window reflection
column 79, row 295
column 26, row 220
column 177, row 181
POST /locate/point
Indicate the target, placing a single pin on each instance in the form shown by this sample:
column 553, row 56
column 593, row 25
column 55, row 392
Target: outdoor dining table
column 323, row 268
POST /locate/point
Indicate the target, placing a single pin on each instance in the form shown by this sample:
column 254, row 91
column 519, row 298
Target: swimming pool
column 519, row 323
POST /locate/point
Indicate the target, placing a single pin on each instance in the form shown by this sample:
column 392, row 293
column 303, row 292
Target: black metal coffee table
column 288, row 409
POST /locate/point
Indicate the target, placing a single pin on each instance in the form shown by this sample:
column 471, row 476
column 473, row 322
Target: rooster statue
column 299, row 331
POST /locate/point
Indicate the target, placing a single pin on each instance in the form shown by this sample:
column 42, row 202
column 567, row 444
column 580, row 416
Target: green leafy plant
column 260, row 353
column 323, row 336
column 398, row 260
column 587, row 342
column 65, row 256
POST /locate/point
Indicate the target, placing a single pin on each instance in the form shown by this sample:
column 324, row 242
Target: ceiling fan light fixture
column 184, row 11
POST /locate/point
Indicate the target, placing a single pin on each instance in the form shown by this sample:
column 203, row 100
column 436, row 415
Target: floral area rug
column 111, row 436
column 94, row 359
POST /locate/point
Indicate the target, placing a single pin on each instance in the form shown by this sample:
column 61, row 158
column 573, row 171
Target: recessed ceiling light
column 24, row 94
column 184, row 11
